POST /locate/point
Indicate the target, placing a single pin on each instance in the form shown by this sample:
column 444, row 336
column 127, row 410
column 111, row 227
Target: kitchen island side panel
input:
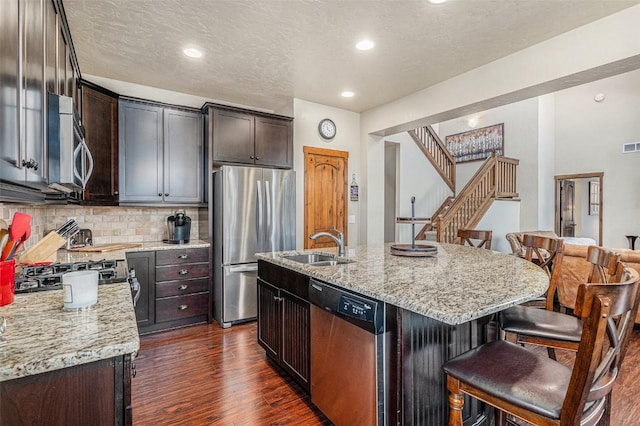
column 426, row 344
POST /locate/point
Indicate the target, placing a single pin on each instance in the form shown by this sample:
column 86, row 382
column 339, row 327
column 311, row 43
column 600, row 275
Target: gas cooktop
column 49, row 277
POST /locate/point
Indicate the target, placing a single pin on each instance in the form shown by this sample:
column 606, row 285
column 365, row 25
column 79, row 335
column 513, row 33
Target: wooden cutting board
column 98, row 248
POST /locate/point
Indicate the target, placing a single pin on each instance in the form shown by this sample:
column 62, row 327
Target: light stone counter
column 65, row 256
column 460, row 284
column 40, row 337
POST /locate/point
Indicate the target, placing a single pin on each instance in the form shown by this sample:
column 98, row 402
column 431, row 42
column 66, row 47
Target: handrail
column 437, row 153
column 435, row 218
column 496, row 178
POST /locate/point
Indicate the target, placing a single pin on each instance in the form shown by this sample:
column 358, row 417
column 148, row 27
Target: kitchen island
column 71, row 368
column 434, row 309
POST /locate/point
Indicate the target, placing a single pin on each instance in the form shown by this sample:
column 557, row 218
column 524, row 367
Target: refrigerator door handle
column 259, row 219
column 268, row 246
column 243, row 268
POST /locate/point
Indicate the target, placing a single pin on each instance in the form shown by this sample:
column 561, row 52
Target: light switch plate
column 352, row 218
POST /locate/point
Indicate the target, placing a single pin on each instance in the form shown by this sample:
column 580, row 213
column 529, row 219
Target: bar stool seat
column 541, row 324
column 516, row 375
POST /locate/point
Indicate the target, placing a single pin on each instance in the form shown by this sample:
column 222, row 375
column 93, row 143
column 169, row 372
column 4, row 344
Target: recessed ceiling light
column 347, row 94
column 192, row 52
column 437, row 1
column 365, row 45
column 599, row 97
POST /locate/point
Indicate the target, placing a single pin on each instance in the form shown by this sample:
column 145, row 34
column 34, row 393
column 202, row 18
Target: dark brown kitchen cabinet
column 100, row 120
column 36, row 51
column 175, row 288
column 283, row 319
column 247, row 137
column 22, row 92
column 97, row 393
column 161, row 154
column 144, row 265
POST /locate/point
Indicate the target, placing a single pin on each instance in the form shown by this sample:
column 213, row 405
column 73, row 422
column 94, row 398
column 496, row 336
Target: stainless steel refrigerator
column 253, row 212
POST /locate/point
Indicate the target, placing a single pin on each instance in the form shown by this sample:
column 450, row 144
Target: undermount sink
column 317, row 259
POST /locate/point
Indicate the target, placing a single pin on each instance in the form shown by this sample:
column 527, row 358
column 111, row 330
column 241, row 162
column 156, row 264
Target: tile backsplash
column 107, row 224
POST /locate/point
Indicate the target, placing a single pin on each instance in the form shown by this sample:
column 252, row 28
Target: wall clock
column 327, row 128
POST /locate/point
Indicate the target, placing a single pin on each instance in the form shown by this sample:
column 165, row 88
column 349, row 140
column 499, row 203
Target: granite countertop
column 41, row 337
column 458, row 285
column 65, row 256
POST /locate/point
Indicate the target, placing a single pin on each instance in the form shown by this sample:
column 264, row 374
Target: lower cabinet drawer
column 178, row 307
column 177, row 288
column 182, row 272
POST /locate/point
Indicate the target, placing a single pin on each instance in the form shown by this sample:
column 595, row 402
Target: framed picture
column 476, row 144
column 594, row 198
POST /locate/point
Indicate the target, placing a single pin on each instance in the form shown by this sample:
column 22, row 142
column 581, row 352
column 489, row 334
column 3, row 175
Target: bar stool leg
column 456, row 402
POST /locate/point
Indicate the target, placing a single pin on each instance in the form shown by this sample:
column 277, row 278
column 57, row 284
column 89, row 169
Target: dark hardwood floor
column 206, row 375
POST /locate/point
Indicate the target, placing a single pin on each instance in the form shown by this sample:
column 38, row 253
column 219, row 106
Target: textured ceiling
column 264, row 53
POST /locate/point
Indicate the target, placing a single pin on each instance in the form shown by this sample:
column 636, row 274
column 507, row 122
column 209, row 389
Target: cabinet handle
column 159, row 194
column 278, row 299
column 183, row 287
column 116, row 192
column 183, row 272
column 257, row 158
column 183, row 307
column 183, row 256
column 31, row 164
column 251, row 157
column 166, row 194
column 133, row 370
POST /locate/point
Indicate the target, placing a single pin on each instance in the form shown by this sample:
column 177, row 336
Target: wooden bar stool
column 483, row 238
column 539, row 390
column 544, row 327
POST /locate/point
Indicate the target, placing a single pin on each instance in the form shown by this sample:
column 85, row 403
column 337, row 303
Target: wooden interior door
column 567, row 208
column 325, row 194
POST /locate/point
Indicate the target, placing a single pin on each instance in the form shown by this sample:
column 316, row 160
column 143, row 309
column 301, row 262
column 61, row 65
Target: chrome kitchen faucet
column 339, row 239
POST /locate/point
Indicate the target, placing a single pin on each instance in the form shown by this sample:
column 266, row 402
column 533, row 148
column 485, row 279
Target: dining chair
column 545, row 327
column 544, row 251
column 528, row 385
column 481, row 238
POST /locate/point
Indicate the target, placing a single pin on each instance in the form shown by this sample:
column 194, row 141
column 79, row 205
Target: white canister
column 80, row 289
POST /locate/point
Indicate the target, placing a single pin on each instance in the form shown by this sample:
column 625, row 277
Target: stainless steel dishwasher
column 346, row 355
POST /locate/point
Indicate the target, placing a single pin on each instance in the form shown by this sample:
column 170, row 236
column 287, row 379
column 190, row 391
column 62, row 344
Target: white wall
column 520, row 141
column 546, row 162
column 501, row 218
column 416, row 177
column 589, row 137
column 605, row 47
column 305, row 133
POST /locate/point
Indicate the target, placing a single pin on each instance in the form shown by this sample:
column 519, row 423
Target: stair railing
column 496, row 178
column 437, row 153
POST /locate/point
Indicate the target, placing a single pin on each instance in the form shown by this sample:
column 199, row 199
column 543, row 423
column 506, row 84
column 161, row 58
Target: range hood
column 69, row 160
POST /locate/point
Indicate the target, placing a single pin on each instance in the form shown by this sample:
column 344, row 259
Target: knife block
column 45, row 250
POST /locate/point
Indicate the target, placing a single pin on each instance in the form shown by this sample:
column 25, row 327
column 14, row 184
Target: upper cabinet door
column 183, row 156
column 10, row 152
column 33, row 94
column 100, row 119
column 233, row 136
column 141, row 152
column 274, row 142
column 51, row 41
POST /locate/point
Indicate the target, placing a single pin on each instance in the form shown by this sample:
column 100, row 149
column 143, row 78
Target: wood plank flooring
column 206, row 375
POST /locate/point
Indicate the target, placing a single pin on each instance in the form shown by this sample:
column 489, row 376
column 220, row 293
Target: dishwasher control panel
column 356, row 308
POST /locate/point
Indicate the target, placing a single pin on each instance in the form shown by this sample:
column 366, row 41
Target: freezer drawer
column 239, row 293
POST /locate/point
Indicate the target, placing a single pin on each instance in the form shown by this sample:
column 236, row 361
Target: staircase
column 495, row 179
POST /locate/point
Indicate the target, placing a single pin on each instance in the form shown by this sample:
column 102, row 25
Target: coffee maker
column 179, row 228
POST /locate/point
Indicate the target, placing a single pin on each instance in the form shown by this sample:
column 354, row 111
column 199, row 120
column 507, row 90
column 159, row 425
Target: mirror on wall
column 578, row 206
